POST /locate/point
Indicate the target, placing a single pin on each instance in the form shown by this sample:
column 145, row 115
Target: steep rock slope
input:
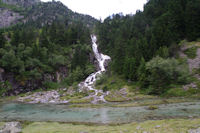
column 38, row 14
column 8, row 17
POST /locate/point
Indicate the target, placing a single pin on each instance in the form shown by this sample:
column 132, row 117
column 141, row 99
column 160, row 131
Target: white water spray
column 90, row 80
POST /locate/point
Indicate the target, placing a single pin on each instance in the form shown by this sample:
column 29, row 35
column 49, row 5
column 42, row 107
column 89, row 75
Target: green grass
column 83, row 100
column 113, row 82
column 1, row 124
column 186, row 43
column 159, row 126
column 180, row 92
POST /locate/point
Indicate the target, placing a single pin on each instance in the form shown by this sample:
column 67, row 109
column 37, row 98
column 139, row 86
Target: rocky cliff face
column 8, row 17
column 24, row 3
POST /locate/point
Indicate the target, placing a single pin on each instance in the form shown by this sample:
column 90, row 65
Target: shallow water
column 62, row 113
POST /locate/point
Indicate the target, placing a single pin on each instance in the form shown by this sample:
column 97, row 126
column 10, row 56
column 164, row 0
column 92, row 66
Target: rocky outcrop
column 192, row 63
column 17, row 86
column 43, row 97
column 106, row 63
column 11, row 127
column 8, row 17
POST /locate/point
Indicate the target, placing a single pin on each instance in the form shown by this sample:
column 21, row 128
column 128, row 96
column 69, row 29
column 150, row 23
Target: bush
column 161, row 73
column 4, row 87
column 179, row 92
column 191, row 52
column 102, row 80
column 51, row 85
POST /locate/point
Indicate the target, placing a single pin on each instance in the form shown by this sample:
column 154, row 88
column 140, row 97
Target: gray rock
column 8, row 17
column 43, row 97
column 138, row 127
column 123, row 91
column 12, row 127
column 157, row 126
column 106, row 63
column 192, row 85
column 194, row 130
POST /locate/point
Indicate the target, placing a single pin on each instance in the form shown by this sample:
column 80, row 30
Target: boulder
column 12, row 127
column 194, row 130
column 106, row 63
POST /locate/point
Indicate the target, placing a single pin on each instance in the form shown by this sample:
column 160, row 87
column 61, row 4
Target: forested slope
column 135, row 42
column 50, row 45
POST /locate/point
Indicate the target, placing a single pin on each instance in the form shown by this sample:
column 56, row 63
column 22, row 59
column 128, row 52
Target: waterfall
column 90, row 80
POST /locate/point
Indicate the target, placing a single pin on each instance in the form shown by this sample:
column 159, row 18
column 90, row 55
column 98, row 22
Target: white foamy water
column 90, row 80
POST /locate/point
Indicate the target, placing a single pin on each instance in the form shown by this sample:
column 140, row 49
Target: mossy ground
column 159, row 126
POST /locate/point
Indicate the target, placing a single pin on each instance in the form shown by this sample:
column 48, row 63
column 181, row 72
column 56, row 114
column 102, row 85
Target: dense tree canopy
column 133, row 40
column 31, row 52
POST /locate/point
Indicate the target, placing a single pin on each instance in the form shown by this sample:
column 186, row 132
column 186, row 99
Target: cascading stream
column 90, row 80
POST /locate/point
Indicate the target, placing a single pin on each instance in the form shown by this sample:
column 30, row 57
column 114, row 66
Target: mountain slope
column 38, row 14
column 47, row 46
column 144, row 46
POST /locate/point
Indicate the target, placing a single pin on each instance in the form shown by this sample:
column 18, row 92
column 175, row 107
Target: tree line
column 142, row 45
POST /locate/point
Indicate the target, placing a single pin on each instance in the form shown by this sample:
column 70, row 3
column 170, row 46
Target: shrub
column 191, row 52
column 161, row 73
column 4, row 87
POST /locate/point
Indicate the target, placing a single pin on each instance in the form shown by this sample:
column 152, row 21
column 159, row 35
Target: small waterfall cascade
column 90, row 80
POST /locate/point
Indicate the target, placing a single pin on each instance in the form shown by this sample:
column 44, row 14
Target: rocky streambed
column 43, row 97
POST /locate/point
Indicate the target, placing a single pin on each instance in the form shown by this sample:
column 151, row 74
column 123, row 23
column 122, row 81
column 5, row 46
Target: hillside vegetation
column 51, row 46
column 144, row 47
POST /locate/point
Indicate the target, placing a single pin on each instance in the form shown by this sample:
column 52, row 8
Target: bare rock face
column 8, row 17
column 106, row 63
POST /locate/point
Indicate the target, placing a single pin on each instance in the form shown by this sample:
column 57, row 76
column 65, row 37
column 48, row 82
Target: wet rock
column 106, row 63
column 96, row 64
column 12, row 127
